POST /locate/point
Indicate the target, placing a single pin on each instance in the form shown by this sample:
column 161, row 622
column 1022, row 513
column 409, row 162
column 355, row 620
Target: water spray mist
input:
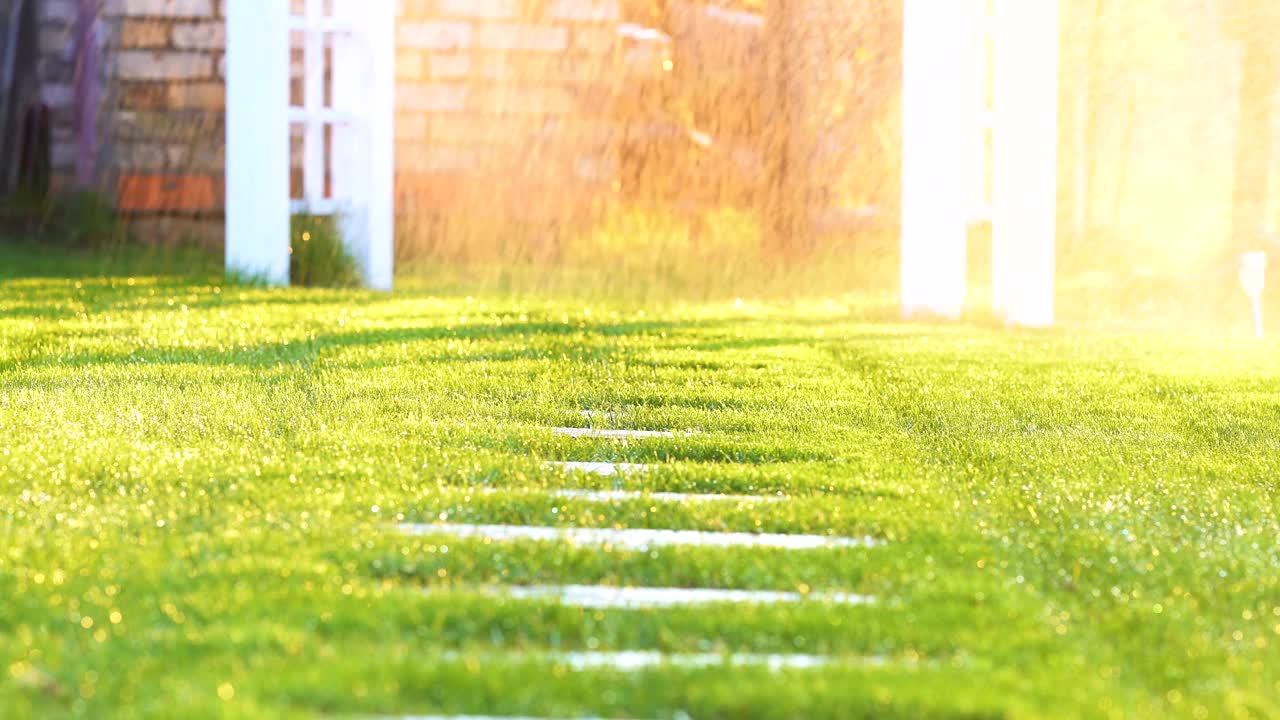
column 1253, row 276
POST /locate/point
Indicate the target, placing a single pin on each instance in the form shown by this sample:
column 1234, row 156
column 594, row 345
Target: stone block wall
column 159, row 148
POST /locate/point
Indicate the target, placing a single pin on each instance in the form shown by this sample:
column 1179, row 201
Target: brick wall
column 532, row 111
column 515, row 92
column 165, row 123
column 509, row 96
column 56, row 72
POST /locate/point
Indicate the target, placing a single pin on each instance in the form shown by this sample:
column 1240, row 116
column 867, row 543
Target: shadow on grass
column 308, row 350
column 36, row 284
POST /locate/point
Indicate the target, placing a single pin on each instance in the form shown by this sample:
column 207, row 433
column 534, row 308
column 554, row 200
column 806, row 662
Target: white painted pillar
column 364, row 145
column 314, row 65
column 1025, row 161
column 978, row 102
column 257, row 142
column 939, row 60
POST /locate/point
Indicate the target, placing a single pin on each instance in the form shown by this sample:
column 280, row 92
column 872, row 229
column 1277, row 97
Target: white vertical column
column 939, row 61
column 378, row 260
column 1025, row 161
column 313, row 102
column 257, row 173
column 364, row 145
column 978, row 103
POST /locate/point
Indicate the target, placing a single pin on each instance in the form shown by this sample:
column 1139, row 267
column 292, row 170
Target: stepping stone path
column 634, row 598
column 595, row 597
column 603, row 469
column 622, row 495
column 478, row 717
column 637, row 538
column 635, row 660
column 608, row 434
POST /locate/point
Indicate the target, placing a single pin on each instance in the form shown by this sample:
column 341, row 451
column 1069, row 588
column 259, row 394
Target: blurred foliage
column 317, row 255
column 648, row 254
column 80, row 220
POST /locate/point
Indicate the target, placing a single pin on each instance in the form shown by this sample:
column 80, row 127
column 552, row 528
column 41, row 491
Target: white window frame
column 361, row 119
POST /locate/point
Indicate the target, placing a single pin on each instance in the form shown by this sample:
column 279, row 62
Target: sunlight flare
column 1253, row 279
column 1024, row 161
column 939, row 56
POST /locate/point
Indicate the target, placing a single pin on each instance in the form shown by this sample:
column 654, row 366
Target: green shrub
column 317, row 255
column 82, row 220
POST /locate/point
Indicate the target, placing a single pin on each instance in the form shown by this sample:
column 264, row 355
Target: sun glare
column 939, row 108
column 946, row 117
column 1024, row 160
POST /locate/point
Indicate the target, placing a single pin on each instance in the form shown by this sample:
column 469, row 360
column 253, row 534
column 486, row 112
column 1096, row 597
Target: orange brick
column 201, row 95
column 523, row 198
column 595, row 40
column 411, row 65
column 429, row 192
column 144, row 34
column 144, row 96
column 189, row 193
column 418, row 9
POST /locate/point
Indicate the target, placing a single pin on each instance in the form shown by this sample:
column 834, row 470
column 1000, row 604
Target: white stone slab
column 603, row 496
column 640, row 660
column 638, row 538
column 604, row 469
column 635, row 660
column 598, row 597
column 612, row 434
column 475, row 717
column 623, row 495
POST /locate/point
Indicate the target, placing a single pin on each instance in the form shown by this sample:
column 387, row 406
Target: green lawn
column 200, row 488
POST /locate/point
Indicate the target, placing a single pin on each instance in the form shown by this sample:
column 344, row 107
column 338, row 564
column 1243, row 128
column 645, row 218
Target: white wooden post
column 348, row 132
column 257, row 142
column 314, row 158
column 978, row 102
column 364, row 147
column 1025, row 161
column 939, row 57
